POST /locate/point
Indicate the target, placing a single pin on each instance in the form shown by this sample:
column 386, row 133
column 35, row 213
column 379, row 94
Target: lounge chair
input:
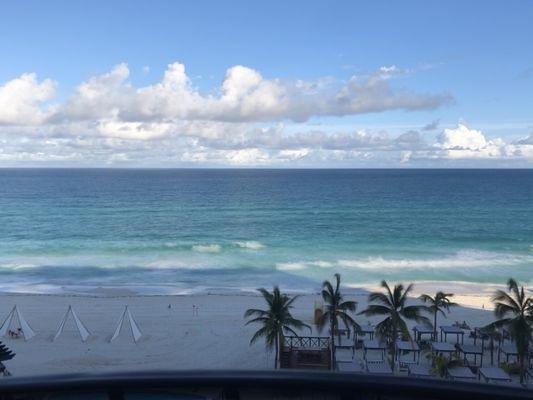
column 379, row 368
column 460, row 373
column 494, row 374
column 352, row 366
column 419, row 371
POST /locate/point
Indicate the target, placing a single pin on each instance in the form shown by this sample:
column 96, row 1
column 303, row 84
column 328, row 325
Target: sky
column 314, row 84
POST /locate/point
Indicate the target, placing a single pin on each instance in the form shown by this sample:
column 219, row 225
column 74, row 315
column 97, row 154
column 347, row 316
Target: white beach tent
column 15, row 322
column 82, row 329
column 134, row 328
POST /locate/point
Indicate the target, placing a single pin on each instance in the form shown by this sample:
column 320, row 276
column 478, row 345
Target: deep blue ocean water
column 194, row 230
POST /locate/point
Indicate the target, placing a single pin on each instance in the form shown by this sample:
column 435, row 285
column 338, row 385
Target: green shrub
column 442, row 363
column 511, row 368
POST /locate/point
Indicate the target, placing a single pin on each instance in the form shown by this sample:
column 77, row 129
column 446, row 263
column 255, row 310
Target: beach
column 174, row 338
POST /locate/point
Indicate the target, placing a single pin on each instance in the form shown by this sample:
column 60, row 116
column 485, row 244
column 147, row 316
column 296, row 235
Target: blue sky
column 451, row 65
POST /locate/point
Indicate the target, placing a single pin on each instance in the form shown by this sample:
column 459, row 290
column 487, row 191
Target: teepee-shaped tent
column 135, row 331
column 16, row 323
column 82, row 329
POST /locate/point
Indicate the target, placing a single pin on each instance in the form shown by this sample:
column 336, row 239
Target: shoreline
column 466, row 294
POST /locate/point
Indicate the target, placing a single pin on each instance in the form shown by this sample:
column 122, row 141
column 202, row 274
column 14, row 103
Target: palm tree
column 336, row 309
column 276, row 320
column 515, row 311
column 392, row 305
column 438, row 304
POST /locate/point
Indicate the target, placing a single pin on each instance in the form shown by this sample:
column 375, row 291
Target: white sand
column 174, row 338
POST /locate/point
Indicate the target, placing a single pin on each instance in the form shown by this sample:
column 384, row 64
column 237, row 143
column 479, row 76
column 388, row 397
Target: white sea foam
column 207, row 248
column 170, row 263
column 321, row 264
column 295, row 266
column 250, row 244
column 462, row 259
column 21, row 265
column 123, row 262
column 290, row 266
column 171, row 244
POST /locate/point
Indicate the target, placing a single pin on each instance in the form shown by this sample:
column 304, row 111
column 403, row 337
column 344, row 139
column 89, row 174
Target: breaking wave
column 207, row 248
column 462, row 259
column 250, row 244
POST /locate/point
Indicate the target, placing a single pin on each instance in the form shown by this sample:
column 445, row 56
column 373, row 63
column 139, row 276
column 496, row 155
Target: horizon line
column 271, row 168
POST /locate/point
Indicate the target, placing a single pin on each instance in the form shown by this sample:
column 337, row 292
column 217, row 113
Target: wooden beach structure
column 420, row 330
column 406, row 353
column 471, row 350
column 306, row 352
column 446, row 330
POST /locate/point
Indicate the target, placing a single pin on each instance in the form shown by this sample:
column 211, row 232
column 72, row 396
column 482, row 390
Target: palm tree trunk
column 277, row 353
column 435, row 327
column 522, row 367
column 332, row 344
column 391, row 345
column 522, row 347
column 491, row 349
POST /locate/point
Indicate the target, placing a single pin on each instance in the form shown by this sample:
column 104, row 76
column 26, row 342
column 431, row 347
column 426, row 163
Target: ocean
column 185, row 231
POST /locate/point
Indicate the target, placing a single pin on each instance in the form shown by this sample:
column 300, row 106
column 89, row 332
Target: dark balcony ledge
column 302, row 382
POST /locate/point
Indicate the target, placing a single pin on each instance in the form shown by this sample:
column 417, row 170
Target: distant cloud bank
column 247, row 121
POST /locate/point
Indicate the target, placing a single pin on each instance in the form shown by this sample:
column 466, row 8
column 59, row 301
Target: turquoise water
column 195, row 230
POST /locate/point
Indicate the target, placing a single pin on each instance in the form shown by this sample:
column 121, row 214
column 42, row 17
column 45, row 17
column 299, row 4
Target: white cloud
column 204, row 143
column 405, row 156
column 225, row 135
column 244, row 96
column 410, row 140
column 291, row 155
column 101, row 97
column 520, row 151
column 134, row 130
column 247, row 157
column 462, row 138
column 244, row 122
column 465, row 143
column 21, row 100
column 526, row 140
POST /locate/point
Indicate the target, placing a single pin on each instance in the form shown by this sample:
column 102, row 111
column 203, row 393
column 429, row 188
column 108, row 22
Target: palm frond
column 502, row 309
column 426, row 298
column 254, row 311
column 338, row 282
column 262, row 332
column 504, row 298
column 323, row 320
column 377, row 297
column 347, row 320
column 375, row 309
column 403, row 329
column 406, row 292
column 327, row 295
column 291, row 300
column 258, row 319
column 290, row 330
column 296, row 323
column 348, row 306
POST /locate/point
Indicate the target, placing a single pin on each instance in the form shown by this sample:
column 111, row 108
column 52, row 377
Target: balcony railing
column 307, row 342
